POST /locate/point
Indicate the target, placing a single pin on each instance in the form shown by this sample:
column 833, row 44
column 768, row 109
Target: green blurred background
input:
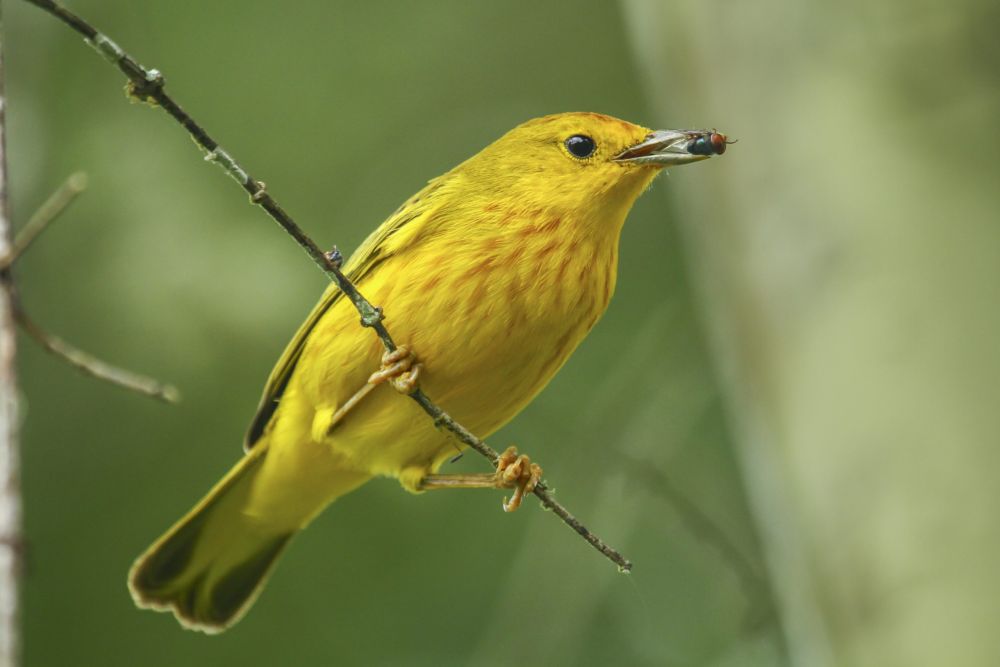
column 788, row 418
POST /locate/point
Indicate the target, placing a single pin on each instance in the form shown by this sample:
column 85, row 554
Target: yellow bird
column 492, row 275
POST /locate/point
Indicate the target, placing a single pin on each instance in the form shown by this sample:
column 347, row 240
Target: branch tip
column 77, row 182
column 94, row 367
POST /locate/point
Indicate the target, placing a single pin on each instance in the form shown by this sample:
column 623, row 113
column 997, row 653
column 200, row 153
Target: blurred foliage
column 848, row 257
column 345, row 109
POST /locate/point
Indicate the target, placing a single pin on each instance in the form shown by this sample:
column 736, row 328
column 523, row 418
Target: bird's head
column 584, row 161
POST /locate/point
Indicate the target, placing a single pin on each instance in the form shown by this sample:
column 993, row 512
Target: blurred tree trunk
column 10, row 488
column 848, row 253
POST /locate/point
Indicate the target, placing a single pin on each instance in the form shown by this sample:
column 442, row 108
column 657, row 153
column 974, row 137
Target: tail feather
column 210, row 566
column 234, row 592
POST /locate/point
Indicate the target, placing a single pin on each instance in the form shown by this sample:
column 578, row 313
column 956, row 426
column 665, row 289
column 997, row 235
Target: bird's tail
column 211, row 565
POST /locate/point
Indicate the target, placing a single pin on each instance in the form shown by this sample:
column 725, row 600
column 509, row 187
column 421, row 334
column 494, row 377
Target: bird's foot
column 400, row 368
column 516, row 471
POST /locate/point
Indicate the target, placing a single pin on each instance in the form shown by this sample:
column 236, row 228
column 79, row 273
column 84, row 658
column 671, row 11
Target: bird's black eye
column 581, row 146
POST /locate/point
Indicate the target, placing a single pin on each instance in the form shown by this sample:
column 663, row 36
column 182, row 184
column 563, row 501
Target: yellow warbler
column 492, row 275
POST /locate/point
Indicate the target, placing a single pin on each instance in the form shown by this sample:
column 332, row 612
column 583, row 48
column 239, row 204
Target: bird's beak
column 666, row 148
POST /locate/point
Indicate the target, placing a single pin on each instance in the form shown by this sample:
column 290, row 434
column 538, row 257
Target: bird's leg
column 514, row 471
column 400, row 369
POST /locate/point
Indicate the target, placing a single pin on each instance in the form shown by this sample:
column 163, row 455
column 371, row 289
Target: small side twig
column 94, row 367
column 147, row 85
column 87, row 363
column 46, row 213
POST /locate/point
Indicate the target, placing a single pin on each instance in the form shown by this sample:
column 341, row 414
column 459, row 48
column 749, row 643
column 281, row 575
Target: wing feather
column 391, row 236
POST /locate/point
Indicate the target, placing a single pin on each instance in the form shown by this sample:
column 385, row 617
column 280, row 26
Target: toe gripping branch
column 400, row 369
column 516, row 471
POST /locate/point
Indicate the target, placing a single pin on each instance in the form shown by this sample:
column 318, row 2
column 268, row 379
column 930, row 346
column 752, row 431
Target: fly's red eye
column 718, row 142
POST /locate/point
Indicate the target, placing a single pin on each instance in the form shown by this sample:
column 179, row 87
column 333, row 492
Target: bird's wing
column 393, row 235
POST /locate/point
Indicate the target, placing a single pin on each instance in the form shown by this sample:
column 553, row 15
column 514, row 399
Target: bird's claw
column 400, row 369
column 516, row 471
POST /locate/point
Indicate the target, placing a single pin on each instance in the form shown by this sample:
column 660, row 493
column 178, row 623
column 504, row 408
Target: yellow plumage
column 492, row 274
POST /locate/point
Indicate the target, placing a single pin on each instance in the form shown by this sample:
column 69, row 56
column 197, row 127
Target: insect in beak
column 672, row 147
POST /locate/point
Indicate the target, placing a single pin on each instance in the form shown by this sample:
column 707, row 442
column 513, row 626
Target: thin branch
column 46, row 213
column 94, row 367
column 147, row 85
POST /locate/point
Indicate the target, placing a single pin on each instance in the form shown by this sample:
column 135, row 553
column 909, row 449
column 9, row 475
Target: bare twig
column 46, row 213
column 94, row 367
column 147, row 85
column 39, row 221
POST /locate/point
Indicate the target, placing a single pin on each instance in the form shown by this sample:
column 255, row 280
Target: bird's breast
column 493, row 318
